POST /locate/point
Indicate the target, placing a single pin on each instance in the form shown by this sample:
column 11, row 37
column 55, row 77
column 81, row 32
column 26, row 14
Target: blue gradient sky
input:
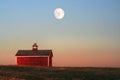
column 88, row 35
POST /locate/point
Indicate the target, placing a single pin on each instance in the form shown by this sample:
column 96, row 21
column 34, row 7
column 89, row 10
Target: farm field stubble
column 12, row 72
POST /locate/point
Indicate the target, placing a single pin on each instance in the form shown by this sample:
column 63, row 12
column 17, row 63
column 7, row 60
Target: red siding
column 40, row 61
column 50, row 61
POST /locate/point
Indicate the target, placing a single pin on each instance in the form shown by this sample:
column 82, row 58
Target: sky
column 87, row 36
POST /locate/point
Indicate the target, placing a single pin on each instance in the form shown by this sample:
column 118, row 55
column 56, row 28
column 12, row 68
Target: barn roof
column 34, row 53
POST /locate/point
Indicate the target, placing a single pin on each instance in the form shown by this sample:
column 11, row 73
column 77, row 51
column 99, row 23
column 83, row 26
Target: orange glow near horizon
column 69, row 54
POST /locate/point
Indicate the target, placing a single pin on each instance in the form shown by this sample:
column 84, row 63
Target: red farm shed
column 34, row 57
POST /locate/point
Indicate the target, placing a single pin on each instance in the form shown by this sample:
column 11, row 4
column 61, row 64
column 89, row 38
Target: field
column 58, row 73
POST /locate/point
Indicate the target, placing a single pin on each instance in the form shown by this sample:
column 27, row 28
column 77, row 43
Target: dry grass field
column 58, row 73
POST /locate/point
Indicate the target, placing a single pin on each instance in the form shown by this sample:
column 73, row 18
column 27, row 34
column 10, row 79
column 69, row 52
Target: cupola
column 35, row 47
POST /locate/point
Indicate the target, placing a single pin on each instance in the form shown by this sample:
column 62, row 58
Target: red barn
column 34, row 57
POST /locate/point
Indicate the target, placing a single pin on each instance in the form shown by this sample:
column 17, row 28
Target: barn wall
column 40, row 61
column 50, row 61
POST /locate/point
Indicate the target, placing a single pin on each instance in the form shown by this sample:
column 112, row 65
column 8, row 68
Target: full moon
column 59, row 13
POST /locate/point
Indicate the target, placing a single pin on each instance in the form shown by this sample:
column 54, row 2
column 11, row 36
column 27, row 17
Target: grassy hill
column 58, row 73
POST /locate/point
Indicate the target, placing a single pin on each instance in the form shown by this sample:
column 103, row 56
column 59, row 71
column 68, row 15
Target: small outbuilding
column 34, row 57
